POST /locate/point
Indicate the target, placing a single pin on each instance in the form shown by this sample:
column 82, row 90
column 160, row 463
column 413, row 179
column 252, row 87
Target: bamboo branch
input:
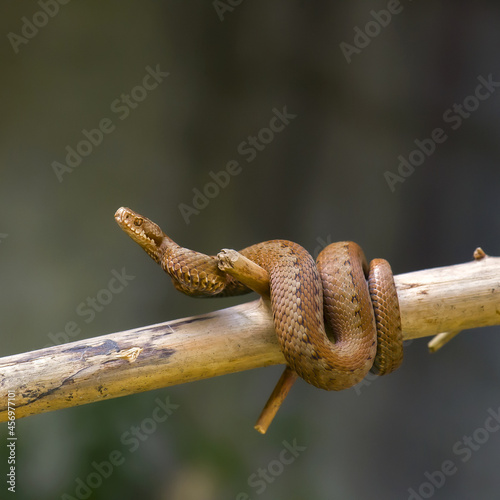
column 225, row 341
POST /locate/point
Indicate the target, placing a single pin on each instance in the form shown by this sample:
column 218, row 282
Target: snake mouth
column 143, row 231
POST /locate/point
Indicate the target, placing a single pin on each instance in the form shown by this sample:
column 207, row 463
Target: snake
column 336, row 318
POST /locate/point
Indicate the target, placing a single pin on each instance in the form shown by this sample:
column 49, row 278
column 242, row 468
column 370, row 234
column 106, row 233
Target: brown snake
column 358, row 304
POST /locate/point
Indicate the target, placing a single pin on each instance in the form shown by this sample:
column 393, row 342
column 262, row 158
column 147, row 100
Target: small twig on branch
column 226, row 341
column 244, row 270
column 441, row 339
column 275, row 400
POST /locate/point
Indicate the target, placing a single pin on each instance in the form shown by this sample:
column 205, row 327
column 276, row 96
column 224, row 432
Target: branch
column 239, row 338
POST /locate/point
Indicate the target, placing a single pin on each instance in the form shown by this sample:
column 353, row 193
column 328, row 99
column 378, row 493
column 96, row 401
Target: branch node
column 479, row 254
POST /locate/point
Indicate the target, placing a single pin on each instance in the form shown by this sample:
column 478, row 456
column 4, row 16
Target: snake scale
column 339, row 295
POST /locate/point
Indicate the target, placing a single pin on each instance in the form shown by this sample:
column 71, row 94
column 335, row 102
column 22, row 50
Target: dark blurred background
column 358, row 102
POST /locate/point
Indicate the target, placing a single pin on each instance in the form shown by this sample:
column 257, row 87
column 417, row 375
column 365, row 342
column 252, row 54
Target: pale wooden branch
column 225, row 341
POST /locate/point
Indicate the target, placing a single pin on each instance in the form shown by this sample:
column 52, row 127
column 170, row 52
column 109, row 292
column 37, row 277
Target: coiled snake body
column 358, row 304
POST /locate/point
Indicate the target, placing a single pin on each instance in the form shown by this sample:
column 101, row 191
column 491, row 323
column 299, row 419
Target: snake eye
column 138, row 221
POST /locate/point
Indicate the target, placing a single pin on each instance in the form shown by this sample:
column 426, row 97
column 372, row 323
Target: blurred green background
column 319, row 180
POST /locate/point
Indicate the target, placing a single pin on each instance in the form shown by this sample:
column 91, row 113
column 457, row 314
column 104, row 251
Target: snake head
column 142, row 230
